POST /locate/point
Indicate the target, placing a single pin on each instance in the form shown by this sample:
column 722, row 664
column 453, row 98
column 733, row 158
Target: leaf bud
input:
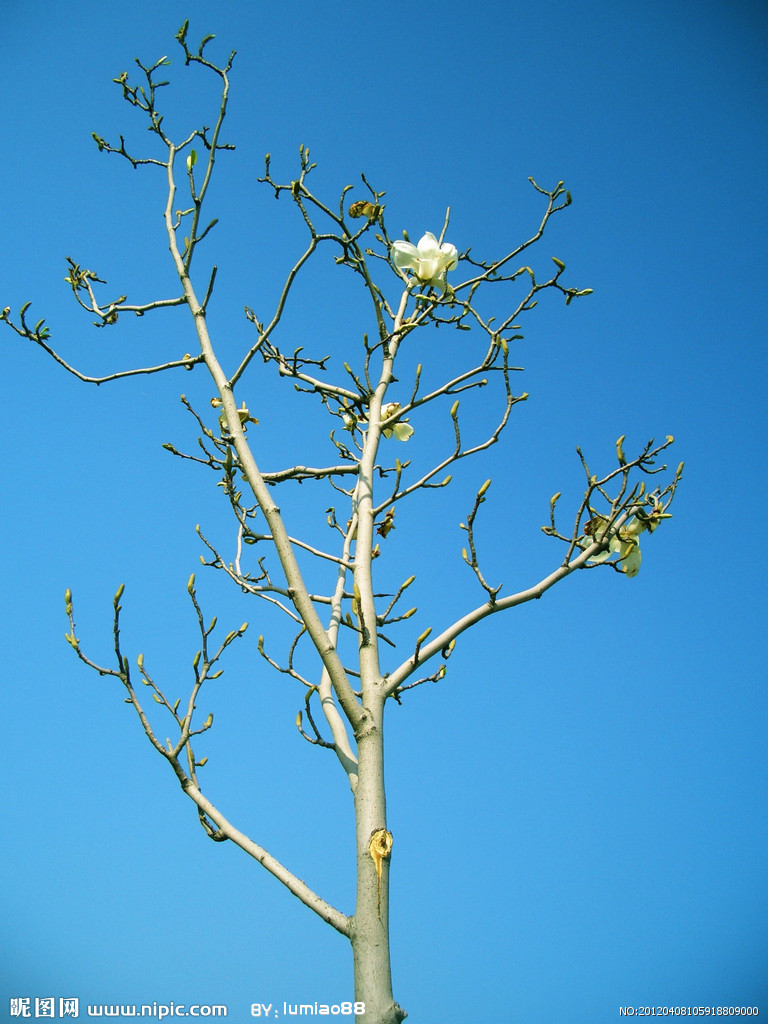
column 420, row 640
column 140, row 662
column 454, row 409
column 484, row 488
column 191, row 583
column 558, row 263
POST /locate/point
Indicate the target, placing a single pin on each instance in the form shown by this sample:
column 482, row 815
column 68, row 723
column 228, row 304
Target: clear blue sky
column 579, row 809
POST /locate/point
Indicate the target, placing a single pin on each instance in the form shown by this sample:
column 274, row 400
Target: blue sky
column 579, row 809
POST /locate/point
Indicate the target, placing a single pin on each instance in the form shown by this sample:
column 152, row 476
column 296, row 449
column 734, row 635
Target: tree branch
column 300, row 889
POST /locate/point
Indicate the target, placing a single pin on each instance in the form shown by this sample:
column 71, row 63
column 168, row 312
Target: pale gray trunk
column 370, row 931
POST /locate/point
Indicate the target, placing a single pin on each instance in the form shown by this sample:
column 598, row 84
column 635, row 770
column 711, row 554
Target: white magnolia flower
column 623, row 542
column 428, row 260
column 243, row 414
column 400, row 431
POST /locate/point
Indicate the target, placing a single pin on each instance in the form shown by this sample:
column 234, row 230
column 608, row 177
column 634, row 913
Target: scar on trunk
column 380, row 848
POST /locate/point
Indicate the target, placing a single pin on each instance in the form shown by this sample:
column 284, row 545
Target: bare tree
column 348, row 624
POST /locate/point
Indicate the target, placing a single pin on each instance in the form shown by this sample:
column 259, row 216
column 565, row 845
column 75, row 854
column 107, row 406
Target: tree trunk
column 370, row 930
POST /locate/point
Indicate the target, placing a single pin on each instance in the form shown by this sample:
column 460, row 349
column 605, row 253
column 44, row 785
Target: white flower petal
column 450, row 255
column 428, row 245
column 602, row 556
column 405, row 255
column 632, row 528
column 616, row 545
column 630, row 561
